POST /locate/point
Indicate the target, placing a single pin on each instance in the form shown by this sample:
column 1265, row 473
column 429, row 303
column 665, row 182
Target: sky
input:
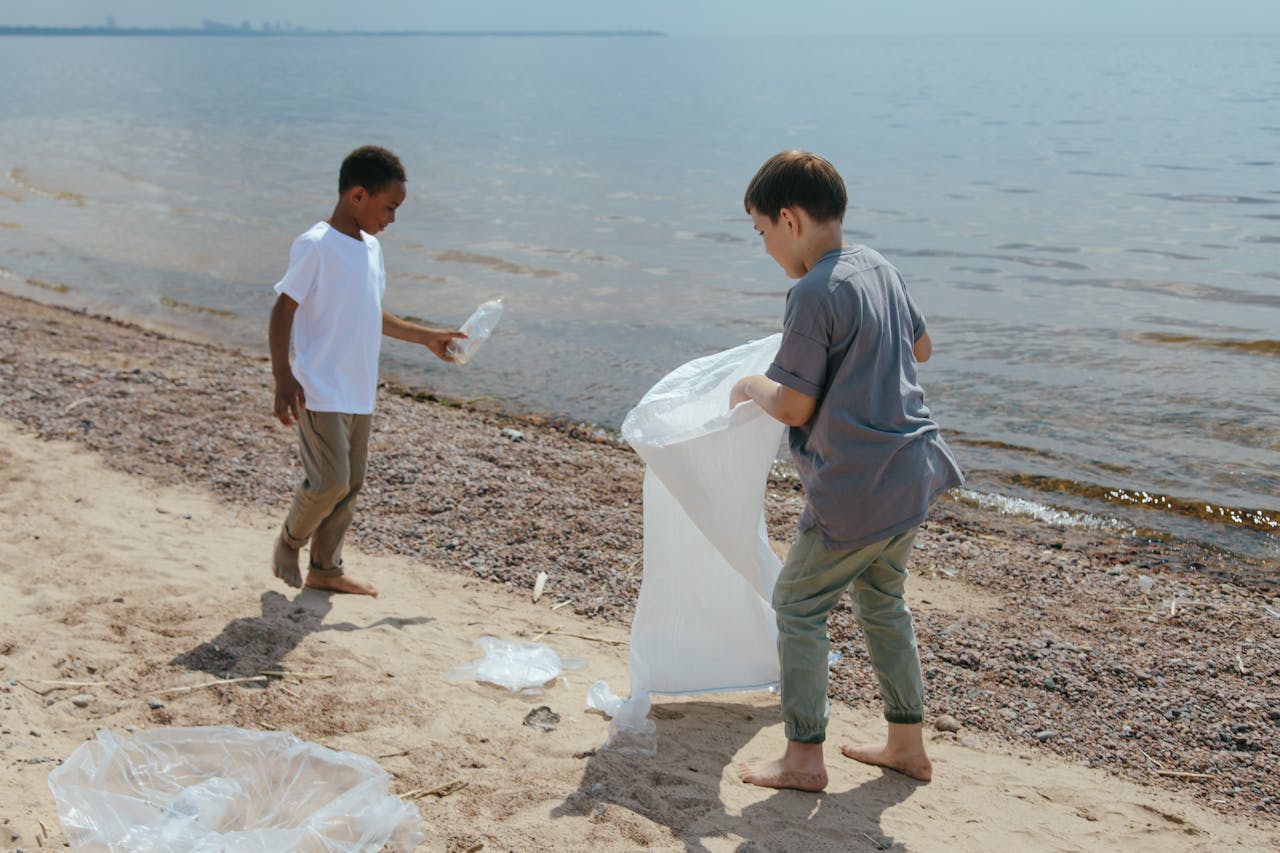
column 680, row 17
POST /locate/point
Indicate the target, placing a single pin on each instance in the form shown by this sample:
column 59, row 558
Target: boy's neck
column 821, row 239
column 343, row 220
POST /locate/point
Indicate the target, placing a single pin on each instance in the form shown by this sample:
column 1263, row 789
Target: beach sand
column 141, row 493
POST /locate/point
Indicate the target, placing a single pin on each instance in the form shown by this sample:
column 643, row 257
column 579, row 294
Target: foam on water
column 1041, row 512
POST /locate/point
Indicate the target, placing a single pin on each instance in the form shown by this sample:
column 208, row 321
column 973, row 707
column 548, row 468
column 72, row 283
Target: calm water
column 1092, row 227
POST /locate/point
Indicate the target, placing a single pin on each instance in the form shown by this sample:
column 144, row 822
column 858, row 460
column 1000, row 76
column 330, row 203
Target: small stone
column 82, row 700
column 1049, row 683
column 1046, row 735
column 947, row 723
column 155, row 704
column 542, row 718
column 513, row 434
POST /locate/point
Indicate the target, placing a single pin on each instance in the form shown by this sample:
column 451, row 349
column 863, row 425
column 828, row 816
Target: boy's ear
column 791, row 218
column 358, row 194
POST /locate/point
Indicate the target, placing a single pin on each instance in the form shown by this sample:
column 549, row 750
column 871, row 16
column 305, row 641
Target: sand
column 131, row 580
column 115, row 580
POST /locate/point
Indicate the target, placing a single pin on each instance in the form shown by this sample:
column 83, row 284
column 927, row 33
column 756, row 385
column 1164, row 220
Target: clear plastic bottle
column 478, row 327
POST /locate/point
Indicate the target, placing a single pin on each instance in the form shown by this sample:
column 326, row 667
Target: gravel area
column 1156, row 660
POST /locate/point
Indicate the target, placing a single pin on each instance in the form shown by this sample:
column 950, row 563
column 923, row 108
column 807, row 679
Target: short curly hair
column 797, row 179
column 371, row 167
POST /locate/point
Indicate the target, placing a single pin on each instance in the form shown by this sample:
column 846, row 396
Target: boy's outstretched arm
column 782, row 403
column 433, row 339
column 290, row 401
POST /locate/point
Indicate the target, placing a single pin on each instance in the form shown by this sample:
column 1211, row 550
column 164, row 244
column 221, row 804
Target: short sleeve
column 801, row 362
column 304, row 267
column 917, row 319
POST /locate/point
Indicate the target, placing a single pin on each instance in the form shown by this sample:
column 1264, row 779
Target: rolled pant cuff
column 291, row 540
column 334, row 572
column 803, row 735
column 906, row 717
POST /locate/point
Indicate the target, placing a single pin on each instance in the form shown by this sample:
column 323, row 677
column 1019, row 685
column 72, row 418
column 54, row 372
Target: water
column 1091, row 226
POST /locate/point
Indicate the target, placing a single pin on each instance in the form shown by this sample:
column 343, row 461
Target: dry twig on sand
column 187, row 687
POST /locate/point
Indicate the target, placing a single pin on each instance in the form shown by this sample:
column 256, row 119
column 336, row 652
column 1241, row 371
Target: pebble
column 155, row 704
column 542, row 718
column 513, row 434
column 82, row 700
column 1046, row 735
column 947, row 723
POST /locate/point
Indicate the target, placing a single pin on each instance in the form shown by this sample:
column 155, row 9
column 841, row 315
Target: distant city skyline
column 676, row 17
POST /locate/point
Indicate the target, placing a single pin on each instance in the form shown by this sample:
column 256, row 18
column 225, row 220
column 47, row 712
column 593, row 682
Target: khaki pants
column 334, row 448
column 810, row 585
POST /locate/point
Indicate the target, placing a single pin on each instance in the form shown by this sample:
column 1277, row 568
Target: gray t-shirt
column 871, row 459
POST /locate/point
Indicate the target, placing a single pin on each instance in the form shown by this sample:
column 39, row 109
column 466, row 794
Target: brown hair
column 370, row 167
column 797, row 179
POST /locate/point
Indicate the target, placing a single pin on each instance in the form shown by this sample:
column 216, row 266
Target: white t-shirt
column 338, row 283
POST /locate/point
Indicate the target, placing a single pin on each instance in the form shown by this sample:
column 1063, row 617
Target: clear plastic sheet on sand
column 514, row 664
column 703, row 621
column 209, row 789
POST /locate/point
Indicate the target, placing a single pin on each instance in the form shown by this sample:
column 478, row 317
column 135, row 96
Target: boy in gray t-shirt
column 868, row 454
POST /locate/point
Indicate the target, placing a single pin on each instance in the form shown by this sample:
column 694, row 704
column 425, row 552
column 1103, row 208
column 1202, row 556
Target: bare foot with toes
column 284, row 563
column 340, row 583
column 801, row 767
column 913, row 764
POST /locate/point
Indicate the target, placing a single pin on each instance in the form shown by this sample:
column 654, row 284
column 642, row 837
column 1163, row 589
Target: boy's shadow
column 249, row 645
column 680, row 787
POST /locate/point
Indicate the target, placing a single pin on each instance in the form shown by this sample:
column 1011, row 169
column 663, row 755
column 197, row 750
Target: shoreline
column 1105, row 649
column 1249, row 535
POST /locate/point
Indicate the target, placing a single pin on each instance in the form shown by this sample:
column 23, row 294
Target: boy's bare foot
column 284, row 562
column 800, row 767
column 917, row 767
column 340, row 583
column 903, row 751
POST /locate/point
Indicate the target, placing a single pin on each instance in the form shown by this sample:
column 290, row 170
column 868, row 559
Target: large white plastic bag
column 703, row 621
column 209, row 789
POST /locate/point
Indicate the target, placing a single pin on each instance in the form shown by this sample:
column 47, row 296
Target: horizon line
column 302, row 31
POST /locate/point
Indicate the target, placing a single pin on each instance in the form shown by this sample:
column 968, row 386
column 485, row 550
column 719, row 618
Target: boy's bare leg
column 340, row 583
column 800, row 767
column 903, row 751
column 284, row 562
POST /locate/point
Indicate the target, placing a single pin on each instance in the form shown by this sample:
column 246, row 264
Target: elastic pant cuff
column 805, row 735
column 907, row 717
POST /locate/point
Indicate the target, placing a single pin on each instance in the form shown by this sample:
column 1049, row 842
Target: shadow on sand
column 249, row 645
column 680, row 788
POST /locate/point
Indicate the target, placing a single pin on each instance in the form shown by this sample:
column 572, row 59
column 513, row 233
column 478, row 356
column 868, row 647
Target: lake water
column 1091, row 226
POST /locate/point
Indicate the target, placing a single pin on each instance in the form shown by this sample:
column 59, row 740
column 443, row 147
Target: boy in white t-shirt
column 330, row 307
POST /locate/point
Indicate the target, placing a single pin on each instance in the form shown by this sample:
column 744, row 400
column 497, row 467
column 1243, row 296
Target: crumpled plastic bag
column 209, row 789
column 514, row 664
column 630, row 729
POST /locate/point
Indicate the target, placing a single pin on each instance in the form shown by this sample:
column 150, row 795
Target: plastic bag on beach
column 703, row 621
column 514, row 664
column 477, row 327
column 210, row 789
column 630, row 729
